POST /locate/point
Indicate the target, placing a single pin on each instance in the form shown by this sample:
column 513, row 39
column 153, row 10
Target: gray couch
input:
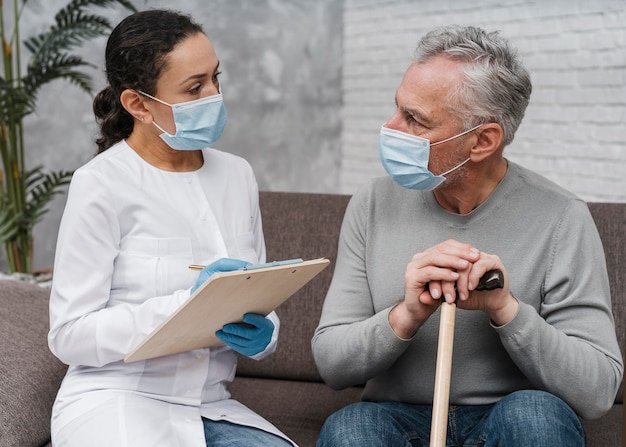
column 285, row 387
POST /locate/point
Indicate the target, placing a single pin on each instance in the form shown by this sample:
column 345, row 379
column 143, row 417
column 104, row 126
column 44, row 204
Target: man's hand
column 499, row 304
column 448, row 270
column 441, row 267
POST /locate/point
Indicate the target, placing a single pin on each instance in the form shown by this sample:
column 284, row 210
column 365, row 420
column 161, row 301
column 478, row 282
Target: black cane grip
column 491, row 280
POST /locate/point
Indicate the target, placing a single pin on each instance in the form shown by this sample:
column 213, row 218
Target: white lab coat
column 127, row 236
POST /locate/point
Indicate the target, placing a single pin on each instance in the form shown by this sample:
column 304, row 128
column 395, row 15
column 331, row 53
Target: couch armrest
column 29, row 374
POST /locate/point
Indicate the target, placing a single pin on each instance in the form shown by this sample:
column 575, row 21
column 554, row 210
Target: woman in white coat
column 155, row 199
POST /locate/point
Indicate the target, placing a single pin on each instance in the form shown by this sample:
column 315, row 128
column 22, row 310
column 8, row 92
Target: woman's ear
column 489, row 141
column 133, row 102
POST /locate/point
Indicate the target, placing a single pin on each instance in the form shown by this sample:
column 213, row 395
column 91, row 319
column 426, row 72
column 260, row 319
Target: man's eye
column 413, row 120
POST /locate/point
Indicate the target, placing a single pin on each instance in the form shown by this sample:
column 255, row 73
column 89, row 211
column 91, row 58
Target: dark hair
column 136, row 55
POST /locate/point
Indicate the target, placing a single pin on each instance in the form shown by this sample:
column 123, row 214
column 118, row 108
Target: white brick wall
column 574, row 131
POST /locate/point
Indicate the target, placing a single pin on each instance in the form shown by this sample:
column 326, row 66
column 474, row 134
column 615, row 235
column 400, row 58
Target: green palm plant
column 25, row 193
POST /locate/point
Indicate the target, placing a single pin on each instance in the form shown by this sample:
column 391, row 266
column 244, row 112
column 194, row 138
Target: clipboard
column 224, row 298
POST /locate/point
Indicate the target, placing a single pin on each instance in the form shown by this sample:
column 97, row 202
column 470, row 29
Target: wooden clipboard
column 224, row 298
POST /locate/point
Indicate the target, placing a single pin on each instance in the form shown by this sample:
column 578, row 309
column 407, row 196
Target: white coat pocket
column 159, row 265
column 246, row 247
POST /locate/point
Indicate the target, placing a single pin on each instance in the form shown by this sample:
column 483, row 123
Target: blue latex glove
column 250, row 337
column 221, row 265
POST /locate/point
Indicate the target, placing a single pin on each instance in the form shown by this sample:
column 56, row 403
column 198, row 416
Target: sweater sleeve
column 571, row 342
column 353, row 343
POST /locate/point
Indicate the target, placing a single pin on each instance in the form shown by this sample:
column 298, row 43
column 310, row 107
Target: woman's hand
column 221, row 265
column 250, row 337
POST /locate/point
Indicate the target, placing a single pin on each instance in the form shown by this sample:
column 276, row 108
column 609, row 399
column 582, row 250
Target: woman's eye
column 216, row 75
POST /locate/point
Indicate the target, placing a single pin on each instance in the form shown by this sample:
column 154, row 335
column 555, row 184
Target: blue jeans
column 226, row 434
column 523, row 418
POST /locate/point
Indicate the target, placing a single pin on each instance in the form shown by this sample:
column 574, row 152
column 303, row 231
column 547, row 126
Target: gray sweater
column 562, row 340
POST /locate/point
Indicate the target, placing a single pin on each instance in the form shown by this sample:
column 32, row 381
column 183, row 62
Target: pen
column 196, row 267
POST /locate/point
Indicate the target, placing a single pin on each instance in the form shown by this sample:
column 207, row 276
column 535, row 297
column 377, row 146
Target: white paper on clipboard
column 224, row 298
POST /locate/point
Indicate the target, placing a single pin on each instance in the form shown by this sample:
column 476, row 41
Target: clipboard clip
column 274, row 264
column 258, row 266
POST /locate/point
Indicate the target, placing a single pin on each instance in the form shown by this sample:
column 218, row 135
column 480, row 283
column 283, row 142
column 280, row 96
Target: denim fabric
column 226, row 434
column 522, row 418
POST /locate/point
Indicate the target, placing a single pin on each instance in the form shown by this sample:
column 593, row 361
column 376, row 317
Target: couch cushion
column 299, row 409
column 31, row 375
column 298, row 225
column 605, row 432
column 610, row 219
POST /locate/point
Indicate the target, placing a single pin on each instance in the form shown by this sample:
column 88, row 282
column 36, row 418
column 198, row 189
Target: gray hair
column 497, row 87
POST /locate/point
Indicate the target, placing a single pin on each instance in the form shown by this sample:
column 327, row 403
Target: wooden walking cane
column 493, row 279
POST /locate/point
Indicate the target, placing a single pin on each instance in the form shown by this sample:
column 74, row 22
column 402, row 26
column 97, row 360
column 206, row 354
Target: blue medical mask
column 199, row 123
column 405, row 158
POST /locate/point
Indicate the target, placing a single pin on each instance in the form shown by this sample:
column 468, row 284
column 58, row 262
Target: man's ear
column 133, row 102
column 489, row 141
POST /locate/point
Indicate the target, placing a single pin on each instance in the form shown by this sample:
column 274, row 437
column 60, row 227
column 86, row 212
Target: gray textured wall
column 282, row 88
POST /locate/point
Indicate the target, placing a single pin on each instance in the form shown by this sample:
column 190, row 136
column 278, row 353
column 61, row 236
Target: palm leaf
column 15, row 103
column 75, row 26
column 41, row 187
column 57, row 66
column 70, row 33
column 8, row 225
column 72, row 28
column 80, row 4
column 23, row 197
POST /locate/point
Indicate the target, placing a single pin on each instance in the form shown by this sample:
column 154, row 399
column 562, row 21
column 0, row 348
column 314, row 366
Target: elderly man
column 529, row 358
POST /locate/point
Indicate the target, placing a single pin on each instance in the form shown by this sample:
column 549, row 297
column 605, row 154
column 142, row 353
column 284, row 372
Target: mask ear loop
column 443, row 174
column 162, row 102
column 456, row 136
column 155, row 98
